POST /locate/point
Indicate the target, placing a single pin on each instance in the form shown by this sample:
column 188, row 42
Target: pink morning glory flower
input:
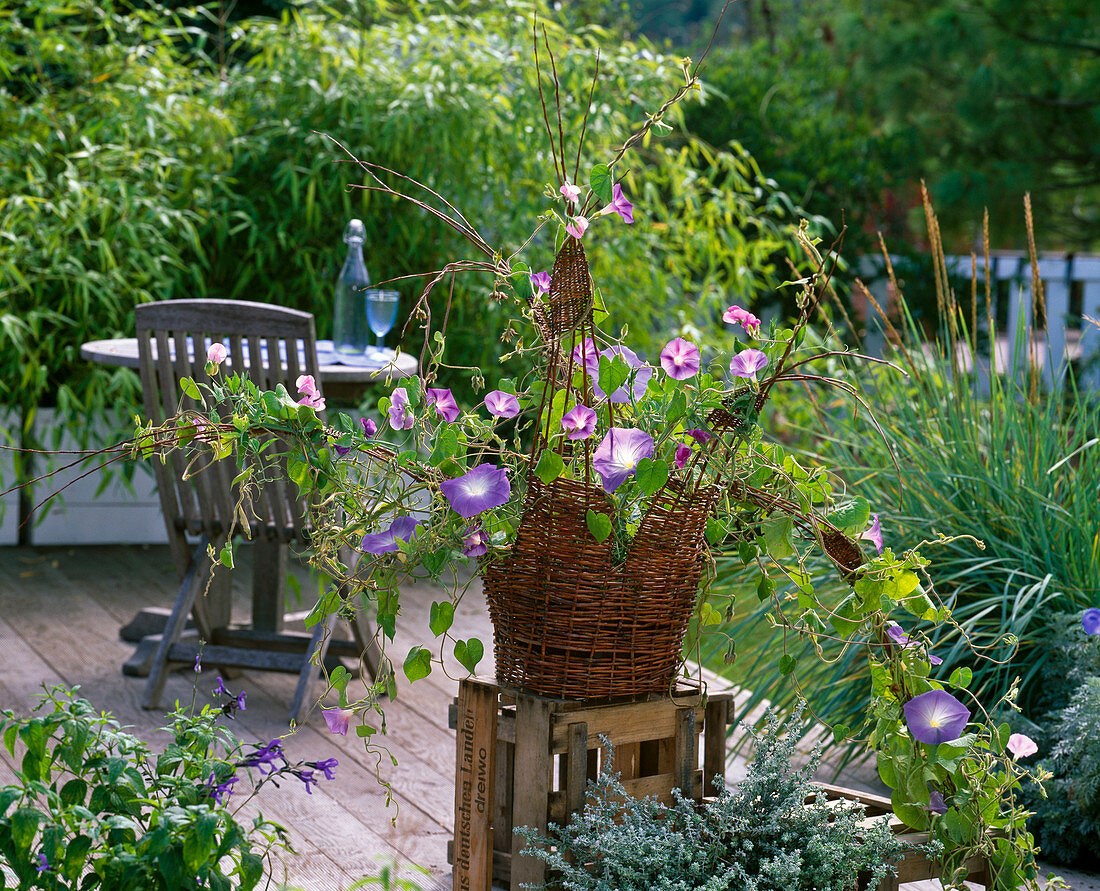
column 217, row 353
column 1021, row 746
column 475, row 542
column 369, row 427
column 577, row 228
column 620, row 205
column 747, row 362
column 579, row 422
column 1090, row 620
column 571, row 193
column 874, row 534
column 680, row 359
column 338, row 720
column 501, row 404
column 936, row 717
column 307, row 388
column 897, row 634
column 444, row 403
column 735, row 315
column 484, row 487
column 400, row 416
column 401, row 529
column 540, row 282
column 586, row 352
column 683, row 452
column 617, row 457
column 642, row 374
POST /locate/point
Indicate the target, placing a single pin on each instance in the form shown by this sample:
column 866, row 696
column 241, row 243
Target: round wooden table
column 341, row 383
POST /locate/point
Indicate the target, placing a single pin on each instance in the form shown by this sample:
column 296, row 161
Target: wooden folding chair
column 272, row 345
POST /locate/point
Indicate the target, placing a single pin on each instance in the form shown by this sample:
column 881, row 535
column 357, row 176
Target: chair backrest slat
column 268, row 343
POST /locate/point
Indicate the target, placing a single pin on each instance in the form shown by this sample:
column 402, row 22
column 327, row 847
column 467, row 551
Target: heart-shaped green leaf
column 786, row 664
column 418, row 664
column 549, row 467
column 190, row 389
column 851, row 516
column 651, row 475
column 598, row 524
column 441, row 617
column 613, row 373
column 469, row 653
column 599, row 178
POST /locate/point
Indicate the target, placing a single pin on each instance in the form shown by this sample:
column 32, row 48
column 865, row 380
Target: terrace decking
column 61, row 609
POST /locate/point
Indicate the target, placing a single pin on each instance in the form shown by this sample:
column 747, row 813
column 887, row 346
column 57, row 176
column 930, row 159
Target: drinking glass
column 381, row 314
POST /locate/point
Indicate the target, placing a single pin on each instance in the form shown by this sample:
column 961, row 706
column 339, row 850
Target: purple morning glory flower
column 327, row 767
column 484, row 487
column 540, row 282
column 617, row 457
column 400, row 416
column 369, row 427
column 220, row 690
column 680, row 359
column 1090, row 620
column 874, row 534
column 936, row 717
column 620, row 205
column 579, row 422
column 444, row 403
column 266, row 756
column 44, row 863
column 501, row 404
column 401, row 529
column 586, row 352
column 641, row 376
column 220, row 791
column 683, row 452
column 1021, row 746
column 936, row 804
column 475, row 542
column 700, row 436
column 898, row 636
column 338, row 720
column 747, row 362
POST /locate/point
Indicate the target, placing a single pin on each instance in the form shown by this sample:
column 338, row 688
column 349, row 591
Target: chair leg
column 193, row 580
column 322, row 634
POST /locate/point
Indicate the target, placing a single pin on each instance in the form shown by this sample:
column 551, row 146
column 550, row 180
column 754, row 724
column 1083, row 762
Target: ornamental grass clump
column 760, row 836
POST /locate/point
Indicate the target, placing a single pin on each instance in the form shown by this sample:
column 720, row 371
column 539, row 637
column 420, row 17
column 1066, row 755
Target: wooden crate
column 524, row 760
column 911, row 868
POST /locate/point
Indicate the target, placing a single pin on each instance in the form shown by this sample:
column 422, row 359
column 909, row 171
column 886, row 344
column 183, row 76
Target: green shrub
column 761, row 836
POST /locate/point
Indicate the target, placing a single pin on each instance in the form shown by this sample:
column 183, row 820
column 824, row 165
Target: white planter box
column 116, row 515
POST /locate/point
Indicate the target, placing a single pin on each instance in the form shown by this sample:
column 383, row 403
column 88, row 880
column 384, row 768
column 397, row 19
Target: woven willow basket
column 569, row 624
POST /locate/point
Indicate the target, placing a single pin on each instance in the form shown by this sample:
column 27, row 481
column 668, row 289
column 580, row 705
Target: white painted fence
column 1071, row 291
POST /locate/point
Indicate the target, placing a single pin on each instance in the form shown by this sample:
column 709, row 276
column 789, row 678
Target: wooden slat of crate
column 634, row 723
column 475, row 773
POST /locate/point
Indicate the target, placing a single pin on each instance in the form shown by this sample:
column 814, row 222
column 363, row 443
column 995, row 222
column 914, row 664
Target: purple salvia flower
column 501, row 404
column 680, row 359
column 747, row 362
column 266, row 756
column 579, row 422
column 484, row 487
column 198, row 663
column 620, row 205
column 220, row 689
column 540, row 283
column 475, row 543
column 240, row 700
column 400, row 416
column 874, row 534
column 306, row 776
column 337, row 720
column 936, row 717
column 1090, row 620
column 220, row 791
column 327, row 767
column 369, row 427
column 43, row 863
column 1021, row 746
column 642, row 374
column 617, row 457
column 401, row 529
column 577, row 228
column 936, row 804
